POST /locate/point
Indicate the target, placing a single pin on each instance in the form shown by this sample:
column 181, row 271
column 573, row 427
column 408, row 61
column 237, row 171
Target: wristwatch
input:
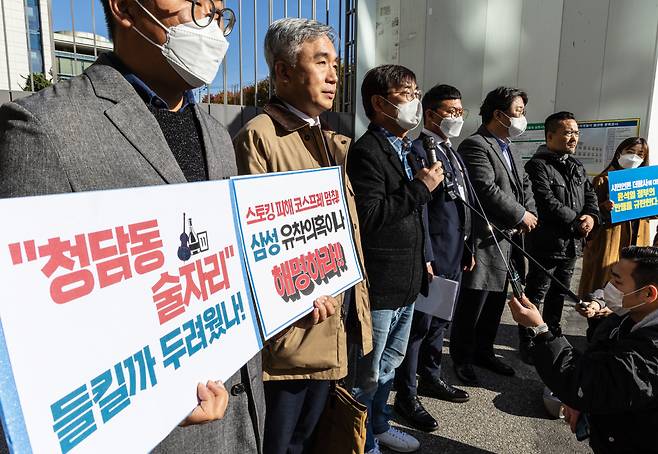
column 536, row 331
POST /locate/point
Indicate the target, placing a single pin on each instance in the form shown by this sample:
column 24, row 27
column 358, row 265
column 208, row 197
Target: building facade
column 75, row 52
column 26, row 44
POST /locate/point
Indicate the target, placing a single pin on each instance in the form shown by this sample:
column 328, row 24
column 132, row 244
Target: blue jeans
column 376, row 371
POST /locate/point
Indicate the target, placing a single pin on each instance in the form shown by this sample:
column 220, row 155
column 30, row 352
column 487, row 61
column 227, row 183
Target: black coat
column 390, row 214
column 615, row 381
column 505, row 198
column 446, row 220
column 562, row 194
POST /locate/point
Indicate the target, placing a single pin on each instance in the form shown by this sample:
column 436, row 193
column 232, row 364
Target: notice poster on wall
column 596, row 146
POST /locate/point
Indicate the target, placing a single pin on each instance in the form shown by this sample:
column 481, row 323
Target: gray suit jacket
column 505, row 199
column 94, row 132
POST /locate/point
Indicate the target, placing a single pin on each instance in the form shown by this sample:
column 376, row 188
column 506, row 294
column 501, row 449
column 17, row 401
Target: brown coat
column 278, row 141
column 606, row 242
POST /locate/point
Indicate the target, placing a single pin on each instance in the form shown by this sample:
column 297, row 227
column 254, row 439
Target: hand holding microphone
column 433, row 175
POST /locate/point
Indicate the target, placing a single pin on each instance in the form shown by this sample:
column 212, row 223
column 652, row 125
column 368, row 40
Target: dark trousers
column 539, row 287
column 424, row 352
column 293, row 409
column 475, row 324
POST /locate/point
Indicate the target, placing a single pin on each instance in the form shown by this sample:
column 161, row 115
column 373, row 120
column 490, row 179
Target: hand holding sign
column 213, row 400
column 323, row 308
column 608, row 205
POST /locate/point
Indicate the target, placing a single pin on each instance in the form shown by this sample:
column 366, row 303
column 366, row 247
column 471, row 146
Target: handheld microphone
column 510, row 232
column 515, row 281
column 429, row 145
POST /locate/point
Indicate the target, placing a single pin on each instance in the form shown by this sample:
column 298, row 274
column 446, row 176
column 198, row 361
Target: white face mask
column 194, row 52
column 630, row 161
column 517, row 125
column 614, row 299
column 451, row 127
column 409, row 114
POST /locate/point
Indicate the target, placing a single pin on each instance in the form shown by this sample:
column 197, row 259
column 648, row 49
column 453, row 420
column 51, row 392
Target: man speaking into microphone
column 448, row 223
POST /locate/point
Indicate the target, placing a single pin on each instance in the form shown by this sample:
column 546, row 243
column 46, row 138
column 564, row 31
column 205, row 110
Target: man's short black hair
column 646, row 264
column 501, row 99
column 552, row 122
column 108, row 18
column 379, row 80
column 437, row 94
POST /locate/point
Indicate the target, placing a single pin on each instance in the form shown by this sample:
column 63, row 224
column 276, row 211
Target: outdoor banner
column 116, row 304
column 634, row 193
column 298, row 242
column 596, row 146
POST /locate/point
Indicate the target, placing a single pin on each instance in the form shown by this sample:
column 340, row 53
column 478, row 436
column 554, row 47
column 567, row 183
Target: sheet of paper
column 441, row 299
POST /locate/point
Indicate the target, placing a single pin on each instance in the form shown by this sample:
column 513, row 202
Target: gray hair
column 285, row 37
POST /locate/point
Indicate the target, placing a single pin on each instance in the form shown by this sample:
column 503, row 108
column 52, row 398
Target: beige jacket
column 278, row 141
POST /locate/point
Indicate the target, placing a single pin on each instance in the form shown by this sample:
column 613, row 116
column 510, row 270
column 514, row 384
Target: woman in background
column 607, row 239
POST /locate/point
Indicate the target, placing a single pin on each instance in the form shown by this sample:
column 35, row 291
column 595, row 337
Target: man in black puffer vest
column 567, row 209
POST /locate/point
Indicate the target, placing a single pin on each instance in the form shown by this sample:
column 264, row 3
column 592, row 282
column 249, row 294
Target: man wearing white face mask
column 504, row 191
column 614, row 381
column 448, row 251
column 130, row 120
column 389, row 202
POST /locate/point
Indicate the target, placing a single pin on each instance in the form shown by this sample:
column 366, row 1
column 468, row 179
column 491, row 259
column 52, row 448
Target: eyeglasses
column 408, row 94
column 570, row 134
column 204, row 12
column 456, row 113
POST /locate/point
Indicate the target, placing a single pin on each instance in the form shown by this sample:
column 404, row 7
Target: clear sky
column 82, row 16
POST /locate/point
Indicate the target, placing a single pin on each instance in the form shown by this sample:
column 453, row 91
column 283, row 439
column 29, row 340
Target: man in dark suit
column 503, row 191
column 130, row 120
column 448, row 225
column 389, row 202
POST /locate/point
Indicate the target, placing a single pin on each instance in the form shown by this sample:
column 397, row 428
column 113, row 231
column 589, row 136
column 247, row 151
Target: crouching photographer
column 611, row 388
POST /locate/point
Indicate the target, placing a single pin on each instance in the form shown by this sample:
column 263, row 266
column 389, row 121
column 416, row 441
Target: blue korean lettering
column 74, row 418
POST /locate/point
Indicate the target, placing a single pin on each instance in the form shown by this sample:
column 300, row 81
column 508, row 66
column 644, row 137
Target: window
column 33, row 14
column 65, row 66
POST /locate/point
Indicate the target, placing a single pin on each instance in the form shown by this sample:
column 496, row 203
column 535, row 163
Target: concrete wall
column 595, row 58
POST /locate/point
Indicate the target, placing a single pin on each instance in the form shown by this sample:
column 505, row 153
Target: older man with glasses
column 289, row 135
column 130, row 120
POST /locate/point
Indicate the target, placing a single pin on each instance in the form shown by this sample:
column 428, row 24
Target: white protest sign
column 298, row 241
column 113, row 308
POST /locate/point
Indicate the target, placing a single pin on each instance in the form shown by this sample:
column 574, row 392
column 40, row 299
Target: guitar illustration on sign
column 184, row 252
